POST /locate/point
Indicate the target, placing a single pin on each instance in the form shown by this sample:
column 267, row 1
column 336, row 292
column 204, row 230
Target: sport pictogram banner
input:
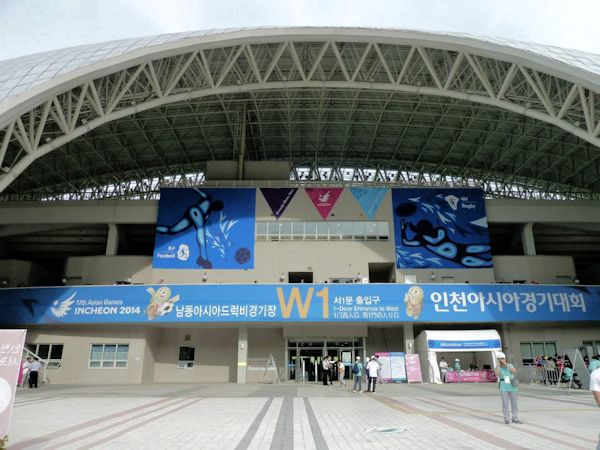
column 324, row 199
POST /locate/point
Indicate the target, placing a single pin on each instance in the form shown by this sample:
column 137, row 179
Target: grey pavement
column 298, row 416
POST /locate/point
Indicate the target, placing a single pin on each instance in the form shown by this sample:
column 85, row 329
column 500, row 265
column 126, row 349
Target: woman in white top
column 341, row 372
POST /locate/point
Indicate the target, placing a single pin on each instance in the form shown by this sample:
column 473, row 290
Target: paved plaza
column 298, row 416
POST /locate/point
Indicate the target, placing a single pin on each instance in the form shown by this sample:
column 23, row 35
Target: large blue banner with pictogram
column 204, row 228
column 441, row 229
column 300, row 303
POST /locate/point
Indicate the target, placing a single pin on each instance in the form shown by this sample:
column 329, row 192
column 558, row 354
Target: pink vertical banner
column 11, row 351
column 324, row 199
column 413, row 368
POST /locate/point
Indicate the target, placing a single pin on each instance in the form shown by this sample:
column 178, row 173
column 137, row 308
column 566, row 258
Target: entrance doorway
column 305, row 355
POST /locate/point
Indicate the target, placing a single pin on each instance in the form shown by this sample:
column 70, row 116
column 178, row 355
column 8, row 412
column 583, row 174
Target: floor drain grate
column 386, row 430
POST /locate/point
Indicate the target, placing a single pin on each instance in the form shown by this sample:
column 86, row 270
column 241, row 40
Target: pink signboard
column 11, row 351
column 413, row 368
column 471, row 376
column 324, row 199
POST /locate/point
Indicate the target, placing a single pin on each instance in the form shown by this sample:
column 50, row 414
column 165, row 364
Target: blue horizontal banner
column 300, row 303
column 464, row 345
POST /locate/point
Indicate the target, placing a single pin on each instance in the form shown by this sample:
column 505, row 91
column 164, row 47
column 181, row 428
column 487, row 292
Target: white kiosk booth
column 474, row 348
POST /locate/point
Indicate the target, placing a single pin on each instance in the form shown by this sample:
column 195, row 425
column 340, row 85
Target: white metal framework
column 343, row 105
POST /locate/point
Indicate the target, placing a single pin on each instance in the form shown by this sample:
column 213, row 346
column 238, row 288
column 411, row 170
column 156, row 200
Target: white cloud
column 62, row 23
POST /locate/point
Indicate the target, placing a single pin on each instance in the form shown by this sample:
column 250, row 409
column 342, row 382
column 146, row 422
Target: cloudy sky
column 31, row 26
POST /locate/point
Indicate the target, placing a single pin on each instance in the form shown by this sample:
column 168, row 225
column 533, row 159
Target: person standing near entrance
column 357, row 369
column 443, row 369
column 33, row 373
column 341, row 368
column 372, row 371
column 326, row 366
column 506, row 374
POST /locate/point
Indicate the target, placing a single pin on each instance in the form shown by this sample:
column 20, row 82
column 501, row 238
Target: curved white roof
column 19, row 75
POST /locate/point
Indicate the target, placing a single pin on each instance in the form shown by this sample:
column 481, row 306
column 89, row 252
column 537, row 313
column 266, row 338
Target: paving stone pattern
column 299, row 416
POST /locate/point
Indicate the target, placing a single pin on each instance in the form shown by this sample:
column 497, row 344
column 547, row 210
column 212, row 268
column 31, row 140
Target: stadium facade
column 323, row 191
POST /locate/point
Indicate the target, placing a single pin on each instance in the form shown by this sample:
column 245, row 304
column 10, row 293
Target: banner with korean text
column 466, row 303
column 11, row 352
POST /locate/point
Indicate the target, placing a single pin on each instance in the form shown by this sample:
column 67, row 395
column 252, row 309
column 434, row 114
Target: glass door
column 305, row 356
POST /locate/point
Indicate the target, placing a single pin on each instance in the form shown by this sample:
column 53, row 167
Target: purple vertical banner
column 11, row 353
column 278, row 199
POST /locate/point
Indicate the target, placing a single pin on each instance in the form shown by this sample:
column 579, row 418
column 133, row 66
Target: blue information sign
column 458, row 303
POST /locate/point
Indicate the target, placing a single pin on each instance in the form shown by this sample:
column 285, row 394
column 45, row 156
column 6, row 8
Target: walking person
column 506, row 374
column 357, row 369
column 341, row 372
column 372, row 370
column 34, row 372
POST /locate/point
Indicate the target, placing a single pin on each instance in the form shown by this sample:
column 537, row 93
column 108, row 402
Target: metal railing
column 548, row 376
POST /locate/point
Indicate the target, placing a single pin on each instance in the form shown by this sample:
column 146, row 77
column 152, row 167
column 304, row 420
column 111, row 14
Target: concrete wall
column 77, row 343
column 567, row 337
column 542, row 269
column 108, row 269
column 215, row 355
column 18, row 272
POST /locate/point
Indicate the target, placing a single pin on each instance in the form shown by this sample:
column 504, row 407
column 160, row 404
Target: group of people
column 329, row 366
column 30, row 370
column 371, row 369
column 445, row 367
column 558, row 369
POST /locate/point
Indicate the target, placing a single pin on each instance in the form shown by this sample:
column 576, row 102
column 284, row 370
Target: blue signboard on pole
column 449, row 303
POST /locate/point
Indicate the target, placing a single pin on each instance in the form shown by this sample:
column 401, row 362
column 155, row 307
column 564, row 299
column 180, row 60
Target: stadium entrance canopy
column 123, row 118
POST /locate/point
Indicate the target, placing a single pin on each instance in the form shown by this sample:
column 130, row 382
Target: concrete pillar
column 527, row 239
column 242, row 355
column 409, row 338
column 506, row 347
column 112, row 241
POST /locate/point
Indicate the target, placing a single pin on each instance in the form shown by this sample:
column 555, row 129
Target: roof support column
column 242, row 354
column 409, row 338
column 112, row 240
column 242, row 144
column 527, row 239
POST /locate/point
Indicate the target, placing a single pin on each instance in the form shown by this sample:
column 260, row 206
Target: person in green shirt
column 594, row 363
column 507, row 379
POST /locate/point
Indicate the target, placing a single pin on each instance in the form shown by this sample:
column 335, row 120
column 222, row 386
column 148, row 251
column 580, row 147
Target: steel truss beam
column 318, row 65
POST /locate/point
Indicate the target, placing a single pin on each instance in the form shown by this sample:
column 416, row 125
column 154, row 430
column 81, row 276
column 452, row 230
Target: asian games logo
column 60, row 309
column 324, row 198
column 183, row 253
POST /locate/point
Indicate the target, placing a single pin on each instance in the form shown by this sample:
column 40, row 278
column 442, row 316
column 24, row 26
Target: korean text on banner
column 11, row 351
column 432, row 303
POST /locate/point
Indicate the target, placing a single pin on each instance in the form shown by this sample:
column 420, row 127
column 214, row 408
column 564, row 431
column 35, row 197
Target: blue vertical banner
column 369, row 199
column 441, row 228
column 201, row 228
